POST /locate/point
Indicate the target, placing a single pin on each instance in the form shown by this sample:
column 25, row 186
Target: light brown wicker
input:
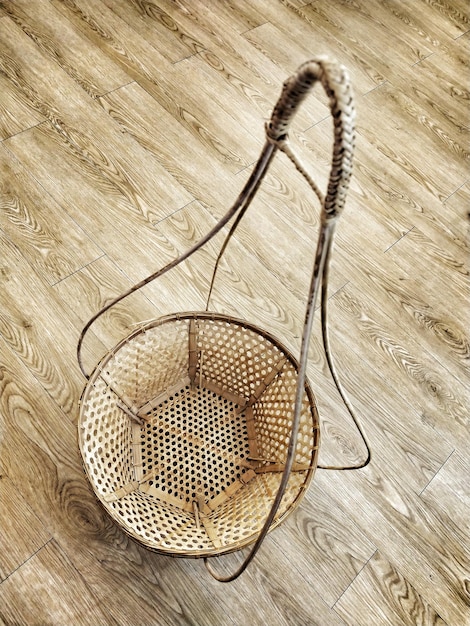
column 199, row 432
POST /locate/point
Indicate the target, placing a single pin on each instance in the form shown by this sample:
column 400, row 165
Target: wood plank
column 458, row 203
column 48, row 590
column 420, row 25
column 398, row 191
column 366, row 27
column 175, row 148
column 202, row 116
column 452, row 15
column 241, row 16
column 160, row 26
column 31, row 323
column 439, row 399
column 319, row 539
column 16, row 114
column 428, row 255
column 22, row 534
column 441, row 77
column 88, row 290
column 398, row 435
column 252, row 75
column 441, row 332
column 50, row 240
column 448, row 495
column 80, row 125
column 287, row 43
column 132, row 241
column 382, row 595
column 274, row 600
column 407, row 144
column 40, row 450
column 55, row 37
column 400, row 526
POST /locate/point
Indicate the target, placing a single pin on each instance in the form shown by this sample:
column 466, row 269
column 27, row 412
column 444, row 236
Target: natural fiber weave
column 184, row 429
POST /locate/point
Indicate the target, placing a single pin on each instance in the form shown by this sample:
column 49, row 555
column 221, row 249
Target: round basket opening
column 184, row 428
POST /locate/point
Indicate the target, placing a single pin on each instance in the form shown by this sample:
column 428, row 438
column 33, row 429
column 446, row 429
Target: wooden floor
column 127, row 128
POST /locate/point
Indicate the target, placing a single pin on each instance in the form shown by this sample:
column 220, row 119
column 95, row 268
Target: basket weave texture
column 184, row 428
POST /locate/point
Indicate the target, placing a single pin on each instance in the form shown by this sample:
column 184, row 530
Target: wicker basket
column 199, row 432
column 184, row 429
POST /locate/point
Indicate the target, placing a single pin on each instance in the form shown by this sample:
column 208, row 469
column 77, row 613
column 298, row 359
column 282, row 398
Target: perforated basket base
column 183, row 431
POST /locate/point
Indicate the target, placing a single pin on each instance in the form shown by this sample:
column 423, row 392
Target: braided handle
column 335, row 80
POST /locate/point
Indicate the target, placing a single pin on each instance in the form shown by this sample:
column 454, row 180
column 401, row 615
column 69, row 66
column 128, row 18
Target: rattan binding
column 199, row 431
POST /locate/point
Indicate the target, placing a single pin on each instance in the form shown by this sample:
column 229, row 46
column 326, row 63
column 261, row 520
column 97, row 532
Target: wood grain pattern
column 53, row 244
column 128, row 127
column 22, row 532
column 59, row 594
column 402, row 602
column 448, row 494
column 30, row 325
column 15, row 114
column 144, row 64
column 53, row 35
column 439, row 399
column 441, row 573
column 338, row 548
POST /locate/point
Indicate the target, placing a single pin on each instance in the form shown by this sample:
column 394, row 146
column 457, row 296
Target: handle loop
column 335, row 81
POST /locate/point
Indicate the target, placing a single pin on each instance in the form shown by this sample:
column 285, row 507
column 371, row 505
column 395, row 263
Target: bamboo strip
column 137, row 458
column 251, row 432
column 225, row 393
column 122, row 396
column 196, row 515
column 165, row 497
column 162, row 397
column 203, row 508
column 121, row 492
column 130, row 487
column 227, row 493
column 211, row 531
column 135, row 418
column 279, row 467
column 266, row 382
column 193, row 354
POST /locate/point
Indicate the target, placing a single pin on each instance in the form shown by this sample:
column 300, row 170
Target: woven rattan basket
column 199, row 432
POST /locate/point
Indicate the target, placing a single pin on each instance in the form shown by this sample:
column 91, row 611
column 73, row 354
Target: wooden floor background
column 127, row 128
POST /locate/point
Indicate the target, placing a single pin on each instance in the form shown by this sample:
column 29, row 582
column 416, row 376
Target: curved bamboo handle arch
column 335, row 81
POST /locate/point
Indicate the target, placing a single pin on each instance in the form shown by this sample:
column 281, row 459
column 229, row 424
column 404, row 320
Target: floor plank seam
column 80, row 269
column 456, row 191
column 249, row 30
column 27, row 560
column 382, row 84
column 428, row 56
column 107, row 93
column 399, row 239
column 181, row 208
column 190, row 56
column 355, row 577
column 439, row 470
column 21, row 132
